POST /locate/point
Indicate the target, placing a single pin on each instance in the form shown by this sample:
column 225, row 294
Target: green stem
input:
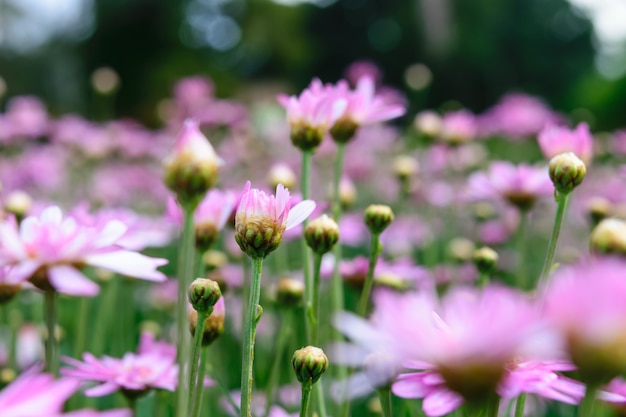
column 321, row 402
column 586, row 408
column 522, row 275
column 519, row 405
column 281, row 344
column 305, row 186
column 81, row 327
column 185, row 271
column 483, row 279
column 197, row 399
column 315, row 299
column 252, row 318
column 195, row 385
column 494, row 407
column 369, row 280
column 50, row 312
column 562, row 200
column 106, row 311
column 384, row 394
column 306, row 398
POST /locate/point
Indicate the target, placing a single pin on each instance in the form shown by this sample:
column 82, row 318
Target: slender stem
column 562, row 200
column 106, row 305
column 384, row 394
column 493, row 407
column 195, row 385
column 306, row 398
column 522, row 274
column 586, row 408
column 305, row 186
column 81, row 327
column 519, row 405
column 50, row 312
column 281, row 344
column 315, row 299
column 483, row 279
column 185, row 269
column 321, row 402
column 252, row 318
column 197, row 399
column 369, row 280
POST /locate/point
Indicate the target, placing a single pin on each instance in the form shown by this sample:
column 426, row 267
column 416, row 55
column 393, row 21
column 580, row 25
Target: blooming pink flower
column 554, row 140
column 49, row 250
column 35, row 395
column 364, row 106
column 260, row 219
column 458, row 127
column 153, row 366
column 520, row 185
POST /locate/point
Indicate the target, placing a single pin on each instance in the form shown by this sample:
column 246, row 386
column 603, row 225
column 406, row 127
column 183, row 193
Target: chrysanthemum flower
column 261, row 219
column 153, row 366
column 554, row 140
column 50, row 250
column 458, row 127
column 520, row 185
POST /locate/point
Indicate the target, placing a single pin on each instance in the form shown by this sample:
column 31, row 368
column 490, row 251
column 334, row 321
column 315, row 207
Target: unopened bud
column 378, row 217
column 461, row 249
column 599, row 209
column 484, row 210
column 18, row 203
column 428, row 123
column 213, row 325
column 281, row 174
column 204, row 294
column 321, row 234
column 343, row 130
column 405, row 167
column 8, row 292
column 609, row 236
column 306, row 137
column 206, row 234
column 214, row 259
column 289, row 292
column 485, row 259
column 567, row 171
column 309, row 363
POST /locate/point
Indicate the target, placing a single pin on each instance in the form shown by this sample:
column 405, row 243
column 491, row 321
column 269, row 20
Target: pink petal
column 68, row 280
column 299, row 213
column 129, row 263
column 52, row 214
column 441, row 402
column 111, row 233
column 102, row 390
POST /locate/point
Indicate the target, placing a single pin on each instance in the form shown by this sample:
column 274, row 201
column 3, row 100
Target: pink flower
column 458, row 127
column 215, row 208
column 520, row 185
column 554, row 140
column 153, row 366
column 364, row 106
column 261, row 219
column 36, row 395
column 50, row 250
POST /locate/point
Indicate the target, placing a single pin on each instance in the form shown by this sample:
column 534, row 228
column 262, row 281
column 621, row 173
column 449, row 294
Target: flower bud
column 18, row 203
column 193, row 167
column 8, row 292
column 203, row 294
column 609, row 237
column 567, row 171
column 214, row 259
column 206, row 234
column 343, row 130
column 483, row 211
column 378, row 217
column 281, row 174
column 309, row 363
column 485, row 259
column 461, row 249
column 213, row 325
column 289, row 292
column 599, row 209
column 428, row 123
column 405, row 167
column 306, row 137
column 321, row 234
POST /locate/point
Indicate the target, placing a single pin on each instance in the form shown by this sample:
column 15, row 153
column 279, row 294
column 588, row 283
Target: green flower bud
column 309, row 363
column 378, row 217
column 206, row 234
column 203, row 294
column 485, row 259
column 343, row 130
column 305, row 137
column 213, row 325
column 289, row 292
column 599, row 209
column 567, row 171
column 461, row 249
column 321, row 234
column 609, row 237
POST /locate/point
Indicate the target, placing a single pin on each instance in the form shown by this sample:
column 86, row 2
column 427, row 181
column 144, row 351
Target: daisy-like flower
column 311, row 114
column 554, row 140
column 458, row 127
column 50, row 250
column 586, row 303
column 153, row 366
column 520, row 185
column 261, row 219
column 35, row 395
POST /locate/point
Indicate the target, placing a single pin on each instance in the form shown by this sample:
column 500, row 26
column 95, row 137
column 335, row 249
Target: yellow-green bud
column 204, row 294
column 206, row 234
column 305, row 137
column 18, row 203
column 405, row 166
column 599, row 209
column 289, row 292
column 609, row 237
column 485, row 259
column 378, row 217
column 343, row 130
column 567, row 171
column 461, row 249
column 321, row 234
column 310, row 363
column 214, row 259
column 281, row 174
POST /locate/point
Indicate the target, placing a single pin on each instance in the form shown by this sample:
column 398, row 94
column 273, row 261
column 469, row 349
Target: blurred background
column 571, row 53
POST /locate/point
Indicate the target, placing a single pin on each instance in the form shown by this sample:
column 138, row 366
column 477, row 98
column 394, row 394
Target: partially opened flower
column 50, row 250
column 554, row 140
column 153, row 366
column 261, row 219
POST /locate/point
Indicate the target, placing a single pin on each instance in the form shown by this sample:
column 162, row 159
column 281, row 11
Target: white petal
column 68, row 280
column 299, row 213
column 52, row 214
column 129, row 263
column 111, row 232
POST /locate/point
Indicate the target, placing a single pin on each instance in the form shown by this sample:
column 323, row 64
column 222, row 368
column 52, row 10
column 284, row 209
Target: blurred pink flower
column 49, row 250
column 364, row 106
column 554, row 140
column 458, row 127
column 153, row 366
column 360, row 69
column 216, row 208
column 27, row 117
